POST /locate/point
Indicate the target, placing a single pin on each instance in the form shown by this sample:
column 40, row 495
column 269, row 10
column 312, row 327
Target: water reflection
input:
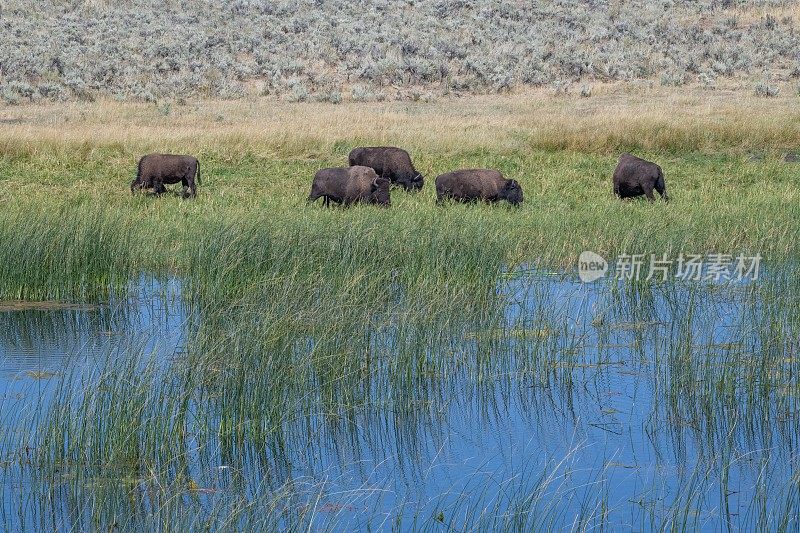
column 560, row 405
column 48, row 340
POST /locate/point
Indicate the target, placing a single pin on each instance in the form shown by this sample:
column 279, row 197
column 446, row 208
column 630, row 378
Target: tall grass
column 322, row 339
column 241, row 431
column 63, row 251
column 81, row 229
column 617, row 118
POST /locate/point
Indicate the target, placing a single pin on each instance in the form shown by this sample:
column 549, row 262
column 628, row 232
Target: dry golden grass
column 641, row 116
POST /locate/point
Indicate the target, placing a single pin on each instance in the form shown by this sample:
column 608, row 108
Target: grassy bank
column 318, row 340
column 68, row 221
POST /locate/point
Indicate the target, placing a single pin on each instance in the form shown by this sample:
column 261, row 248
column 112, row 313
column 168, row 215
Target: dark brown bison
column 636, row 177
column 348, row 185
column 477, row 184
column 389, row 162
column 157, row 170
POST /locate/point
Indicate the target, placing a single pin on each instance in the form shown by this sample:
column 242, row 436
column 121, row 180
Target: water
column 584, row 404
column 41, row 342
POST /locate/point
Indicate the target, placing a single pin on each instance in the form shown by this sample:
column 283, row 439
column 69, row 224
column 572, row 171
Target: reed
column 322, row 343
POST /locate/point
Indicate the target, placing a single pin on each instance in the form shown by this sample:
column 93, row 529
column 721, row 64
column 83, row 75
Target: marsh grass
column 69, row 251
column 68, row 219
column 215, row 438
column 352, row 333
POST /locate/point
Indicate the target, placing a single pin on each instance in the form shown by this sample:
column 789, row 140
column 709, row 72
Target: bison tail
column 661, row 186
column 138, row 175
column 198, row 174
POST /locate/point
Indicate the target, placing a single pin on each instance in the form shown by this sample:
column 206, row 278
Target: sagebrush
column 321, row 50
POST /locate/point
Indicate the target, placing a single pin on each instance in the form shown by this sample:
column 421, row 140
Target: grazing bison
column 477, row 184
column 388, row 162
column 635, row 177
column 156, row 170
column 345, row 185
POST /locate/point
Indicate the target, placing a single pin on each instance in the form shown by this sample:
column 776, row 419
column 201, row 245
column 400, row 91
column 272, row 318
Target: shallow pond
column 578, row 405
column 43, row 340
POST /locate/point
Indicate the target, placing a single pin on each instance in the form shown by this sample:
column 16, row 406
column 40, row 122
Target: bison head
column 379, row 192
column 512, row 192
column 417, row 182
column 138, row 183
column 141, row 183
column 411, row 182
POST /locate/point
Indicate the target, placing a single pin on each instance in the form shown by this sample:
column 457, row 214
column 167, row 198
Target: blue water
column 571, row 419
column 38, row 346
column 595, row 443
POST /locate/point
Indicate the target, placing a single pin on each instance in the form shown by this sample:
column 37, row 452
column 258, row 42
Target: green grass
column 69, row 224
column 318, row 331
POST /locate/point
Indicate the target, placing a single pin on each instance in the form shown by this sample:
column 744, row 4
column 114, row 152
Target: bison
column 636, row 177
column 156, row 170
column 348, row 185
column 389, row 162
column 477, row 184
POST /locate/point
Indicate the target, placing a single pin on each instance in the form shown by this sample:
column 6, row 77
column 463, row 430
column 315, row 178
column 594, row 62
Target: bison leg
column 189, row 183
column 158, row 186
column 648, row 191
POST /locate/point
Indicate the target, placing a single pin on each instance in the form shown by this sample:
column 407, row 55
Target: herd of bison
column 374, row 170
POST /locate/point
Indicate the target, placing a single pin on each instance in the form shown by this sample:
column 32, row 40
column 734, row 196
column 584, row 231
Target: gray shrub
column 321, row 50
